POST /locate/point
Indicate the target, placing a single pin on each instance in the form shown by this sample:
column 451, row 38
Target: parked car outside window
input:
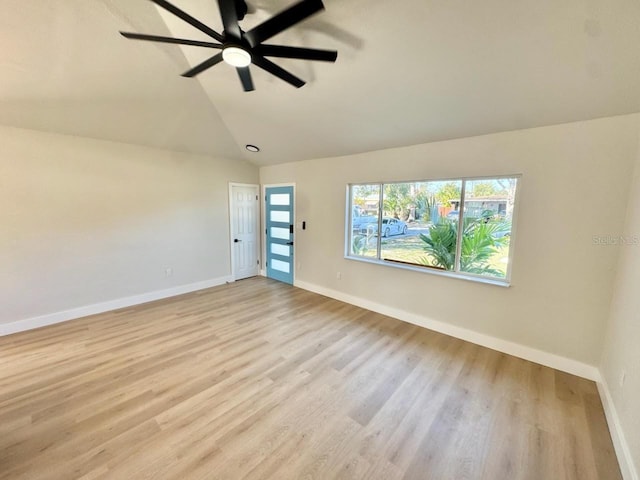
column 390, row 226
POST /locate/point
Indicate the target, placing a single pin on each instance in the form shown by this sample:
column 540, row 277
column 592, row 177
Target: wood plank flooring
column 260, row 380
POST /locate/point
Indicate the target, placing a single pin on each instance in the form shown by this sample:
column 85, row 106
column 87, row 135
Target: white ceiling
column 407, row 72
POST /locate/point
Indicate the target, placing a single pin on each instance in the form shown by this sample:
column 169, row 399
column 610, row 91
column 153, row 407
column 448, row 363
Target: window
column 461, row 226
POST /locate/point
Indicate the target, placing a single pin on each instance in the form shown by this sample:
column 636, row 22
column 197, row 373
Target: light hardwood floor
column 260, row 380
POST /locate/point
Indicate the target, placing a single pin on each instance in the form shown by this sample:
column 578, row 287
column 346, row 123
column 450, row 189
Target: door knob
column 235, row 240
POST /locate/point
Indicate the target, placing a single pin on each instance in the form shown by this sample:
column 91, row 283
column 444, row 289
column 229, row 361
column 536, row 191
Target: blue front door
column 280, row 226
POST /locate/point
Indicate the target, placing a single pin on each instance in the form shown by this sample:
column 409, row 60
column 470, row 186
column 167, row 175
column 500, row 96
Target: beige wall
column 575, row 180
column 85, row 221
column 622, row 347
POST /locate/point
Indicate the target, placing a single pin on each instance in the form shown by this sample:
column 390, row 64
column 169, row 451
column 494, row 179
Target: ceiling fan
column 241, row 49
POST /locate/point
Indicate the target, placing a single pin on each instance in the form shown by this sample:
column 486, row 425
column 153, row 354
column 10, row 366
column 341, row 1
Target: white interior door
column 245, row 247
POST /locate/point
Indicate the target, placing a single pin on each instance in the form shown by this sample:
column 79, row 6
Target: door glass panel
column 280, row 233
column 280, row 266
column 280, row 216
column 279, row 249
column 279, row 199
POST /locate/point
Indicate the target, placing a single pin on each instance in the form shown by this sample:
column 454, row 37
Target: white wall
column 622, row 347
column 575, row 180
column 85, row 221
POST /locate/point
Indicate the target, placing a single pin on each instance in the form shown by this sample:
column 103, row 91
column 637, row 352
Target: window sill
column 442, row 273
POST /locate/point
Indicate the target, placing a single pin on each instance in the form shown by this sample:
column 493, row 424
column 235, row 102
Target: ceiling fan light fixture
column 236, row 56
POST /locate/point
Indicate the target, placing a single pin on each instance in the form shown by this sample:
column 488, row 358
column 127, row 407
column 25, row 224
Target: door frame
column 263, row 225
column 232, row 225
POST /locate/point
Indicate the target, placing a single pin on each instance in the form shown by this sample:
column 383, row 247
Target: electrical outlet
column 168, row 272
column 623, row 377
column 339, row 275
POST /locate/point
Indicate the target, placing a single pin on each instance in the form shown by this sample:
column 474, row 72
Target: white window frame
column 503, row 282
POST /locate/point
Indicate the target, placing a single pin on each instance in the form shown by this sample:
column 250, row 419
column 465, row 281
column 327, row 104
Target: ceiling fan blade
column 279, row 72
column 283, row 20
column 245, row 78
column 229, row 16
column 203, row 66
column 179, row 41
column 189, row 19
column 297, row 52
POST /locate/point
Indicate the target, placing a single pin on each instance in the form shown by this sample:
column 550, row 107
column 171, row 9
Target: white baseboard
column 517, row 350
column 57, row 317
column 629, row 471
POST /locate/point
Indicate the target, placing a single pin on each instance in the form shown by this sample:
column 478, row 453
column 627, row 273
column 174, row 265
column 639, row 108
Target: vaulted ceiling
column 407, row 72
